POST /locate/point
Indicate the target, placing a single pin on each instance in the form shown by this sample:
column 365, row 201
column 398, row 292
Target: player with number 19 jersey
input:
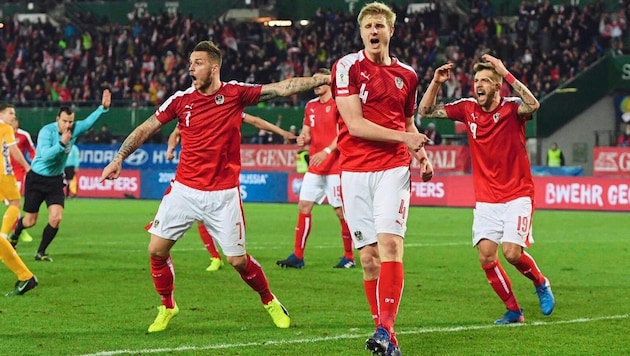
column 497, row 177
column 385, row 92
column 210, row 126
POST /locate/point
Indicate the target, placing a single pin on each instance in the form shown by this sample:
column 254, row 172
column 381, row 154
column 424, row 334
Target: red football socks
column 163, row 273
column 256, row 280
column 528, row 268
column 370, row 293
column 390, row 287
column 347, row 240
column 302, row 230
column 501, row 284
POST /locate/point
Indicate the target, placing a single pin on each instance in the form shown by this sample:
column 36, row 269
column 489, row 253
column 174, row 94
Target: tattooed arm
column 292, row 86
column 529, row 103
column 135, row 139
column 428, row 107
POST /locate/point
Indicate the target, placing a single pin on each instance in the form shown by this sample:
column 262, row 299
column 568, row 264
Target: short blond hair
column 378, row 8
column 488, row 66
column 211, row 49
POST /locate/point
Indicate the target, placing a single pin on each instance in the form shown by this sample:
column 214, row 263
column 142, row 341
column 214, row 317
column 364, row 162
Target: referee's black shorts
column 38, row 188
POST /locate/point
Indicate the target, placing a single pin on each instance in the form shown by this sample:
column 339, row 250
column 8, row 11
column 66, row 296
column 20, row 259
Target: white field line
column 350, row 336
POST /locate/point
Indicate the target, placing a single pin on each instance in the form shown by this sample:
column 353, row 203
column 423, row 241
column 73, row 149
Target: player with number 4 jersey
column 376, row 97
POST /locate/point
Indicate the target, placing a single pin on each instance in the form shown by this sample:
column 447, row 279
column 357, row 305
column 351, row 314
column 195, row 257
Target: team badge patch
column 495, row 117
column 219, row 99
column 358, row 235
column 399, row 82
column 328, row 109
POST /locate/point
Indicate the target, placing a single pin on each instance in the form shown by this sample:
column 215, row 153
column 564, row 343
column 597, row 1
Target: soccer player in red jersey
column 206, row 184
column 319, row 131
column 376, row 97
column 173, row 140
column 27, row 147
column 502, row 178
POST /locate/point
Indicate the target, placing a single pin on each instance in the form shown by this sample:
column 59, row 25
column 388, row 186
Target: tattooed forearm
column 529, row 104
column 137, row 137
column 435, row 111
column 291, row 86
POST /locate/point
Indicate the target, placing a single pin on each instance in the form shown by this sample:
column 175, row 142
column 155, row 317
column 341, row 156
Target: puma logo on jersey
column 366, row 76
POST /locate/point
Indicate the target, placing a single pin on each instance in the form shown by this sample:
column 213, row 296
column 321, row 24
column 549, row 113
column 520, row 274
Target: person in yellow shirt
column 9, row 192
column 555, row 157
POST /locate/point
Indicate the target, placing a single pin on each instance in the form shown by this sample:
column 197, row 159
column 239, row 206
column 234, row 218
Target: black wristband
column 62, row 144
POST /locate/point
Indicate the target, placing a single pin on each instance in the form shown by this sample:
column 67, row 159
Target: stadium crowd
column 143, row 63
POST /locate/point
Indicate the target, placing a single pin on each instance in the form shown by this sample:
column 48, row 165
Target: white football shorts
column 376, row 203
column 219, row 211
column 316, row 187
column 504, row 222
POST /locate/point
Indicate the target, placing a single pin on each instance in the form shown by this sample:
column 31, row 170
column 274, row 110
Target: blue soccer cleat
column 393, row 349
column 291, row 262
column 545, row 296
column 345, row 263
column 379, row 342
column 511, row 317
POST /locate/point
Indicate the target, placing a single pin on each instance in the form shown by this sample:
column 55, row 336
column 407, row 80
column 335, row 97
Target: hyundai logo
column 137, row 158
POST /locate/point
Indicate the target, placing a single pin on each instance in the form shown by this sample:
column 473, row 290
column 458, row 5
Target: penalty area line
column 349, row 336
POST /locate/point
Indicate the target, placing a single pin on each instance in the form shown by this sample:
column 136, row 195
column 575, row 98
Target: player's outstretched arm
column 263, row 124
column 293, row 86
column 428, row 106
column 529, row 104
column 135, row 139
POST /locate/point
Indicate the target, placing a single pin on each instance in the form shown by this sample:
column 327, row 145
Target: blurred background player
column 27, row 147
column 321, row 180
column 9, row 191
column 72, row 167
column 44, row 182
column 216, row 262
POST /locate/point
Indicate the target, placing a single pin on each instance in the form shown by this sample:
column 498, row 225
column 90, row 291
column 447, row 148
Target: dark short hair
column 65, row 109
column 4, row 106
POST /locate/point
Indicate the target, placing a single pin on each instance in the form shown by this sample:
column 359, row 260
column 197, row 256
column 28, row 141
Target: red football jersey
column 322, row 119
column 388, row 98
column 210, row 127
column 26, row 146
column 500, row 162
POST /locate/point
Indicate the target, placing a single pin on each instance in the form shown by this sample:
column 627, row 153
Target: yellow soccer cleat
column 215, row 264
column 164, row 316
column 25, row 236
column 278, row 313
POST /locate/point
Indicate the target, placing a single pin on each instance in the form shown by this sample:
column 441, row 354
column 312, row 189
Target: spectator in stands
column 555, row 157
column 624, row 138
column 104, row 136
column 41, row 55
column 433, row 134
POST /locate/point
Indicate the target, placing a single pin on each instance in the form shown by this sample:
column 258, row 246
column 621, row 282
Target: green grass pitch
column 97, row 297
